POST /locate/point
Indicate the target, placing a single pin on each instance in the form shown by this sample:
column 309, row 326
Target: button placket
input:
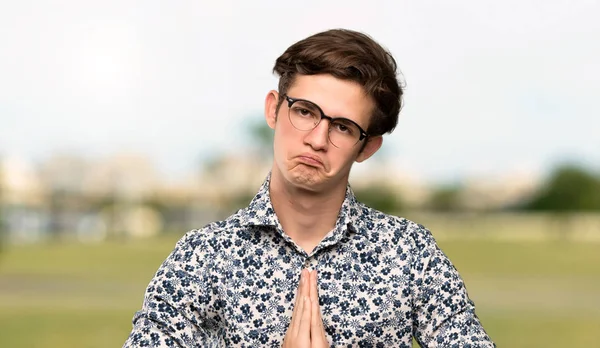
column 306, row 263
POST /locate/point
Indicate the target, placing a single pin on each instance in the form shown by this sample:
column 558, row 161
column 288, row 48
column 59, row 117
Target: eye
column 305, row 109
column 344, row 127
column 305, row 112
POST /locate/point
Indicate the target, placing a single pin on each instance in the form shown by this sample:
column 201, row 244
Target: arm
column 173, row 313
column 444, row 315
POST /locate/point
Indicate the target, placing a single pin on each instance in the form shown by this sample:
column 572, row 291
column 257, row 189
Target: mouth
column 310, row 160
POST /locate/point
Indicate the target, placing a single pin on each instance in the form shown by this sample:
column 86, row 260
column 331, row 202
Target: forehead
column 337, row 98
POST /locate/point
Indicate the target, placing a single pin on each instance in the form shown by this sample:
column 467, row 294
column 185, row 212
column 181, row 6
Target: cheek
column 284, row 139
column 340, row 161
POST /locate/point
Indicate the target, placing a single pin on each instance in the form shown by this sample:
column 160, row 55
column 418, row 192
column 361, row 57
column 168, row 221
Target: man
column 305, row 264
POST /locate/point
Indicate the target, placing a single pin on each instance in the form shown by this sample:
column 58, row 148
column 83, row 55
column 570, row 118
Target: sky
column 491, row 86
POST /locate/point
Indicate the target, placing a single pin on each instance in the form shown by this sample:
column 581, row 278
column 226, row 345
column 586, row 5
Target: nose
column 318, row 138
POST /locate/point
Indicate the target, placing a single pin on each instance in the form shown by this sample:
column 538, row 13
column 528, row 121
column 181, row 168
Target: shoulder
column 398, row 229
column 209, row 238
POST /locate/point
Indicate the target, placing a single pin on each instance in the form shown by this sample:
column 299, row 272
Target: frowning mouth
column 311, row 160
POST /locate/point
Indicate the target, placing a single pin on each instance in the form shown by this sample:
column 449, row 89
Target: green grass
column 542, row 294
column 127, row 260
column 539, row 329
column 533, row 294
column 60, row 327
column 550, row 258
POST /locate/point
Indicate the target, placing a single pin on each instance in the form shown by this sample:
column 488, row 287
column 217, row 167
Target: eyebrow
column 321, row 109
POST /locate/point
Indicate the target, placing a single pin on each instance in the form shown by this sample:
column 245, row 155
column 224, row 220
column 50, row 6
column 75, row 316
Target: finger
column 315, row 318
column 316, row 322
column 305, row 324
column 298, row 306
column 306, row 285
column 317, row 327
column 314, row 290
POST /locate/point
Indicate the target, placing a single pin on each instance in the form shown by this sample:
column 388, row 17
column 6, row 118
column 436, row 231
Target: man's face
column 307, row 159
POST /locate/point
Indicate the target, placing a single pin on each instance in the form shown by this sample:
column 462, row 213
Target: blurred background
column 124, row 124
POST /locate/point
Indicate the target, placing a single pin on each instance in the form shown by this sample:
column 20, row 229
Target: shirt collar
column 260, row 212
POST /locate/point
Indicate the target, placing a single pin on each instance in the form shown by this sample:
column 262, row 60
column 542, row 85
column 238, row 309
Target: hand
column 306, row 328
column 317, row 330
column 298, row 333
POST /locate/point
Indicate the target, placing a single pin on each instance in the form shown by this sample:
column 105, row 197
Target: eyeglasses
column 305, row 115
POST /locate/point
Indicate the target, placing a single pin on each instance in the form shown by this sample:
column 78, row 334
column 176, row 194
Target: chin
column 307, row 178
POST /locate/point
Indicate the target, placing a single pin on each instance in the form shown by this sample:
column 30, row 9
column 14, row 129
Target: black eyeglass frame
column 291, row 101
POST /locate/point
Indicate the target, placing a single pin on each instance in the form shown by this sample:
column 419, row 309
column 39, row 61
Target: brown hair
column 347, row 55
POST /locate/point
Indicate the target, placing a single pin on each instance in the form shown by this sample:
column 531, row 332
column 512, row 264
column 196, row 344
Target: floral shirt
column 382, row 281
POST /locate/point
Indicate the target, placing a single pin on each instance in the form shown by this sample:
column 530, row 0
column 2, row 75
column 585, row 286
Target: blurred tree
column 570, row 188
column 261, row 137
column 2, row 226
column 212, row 164
column 445, row 198
column 380, row 197
column 242, row 199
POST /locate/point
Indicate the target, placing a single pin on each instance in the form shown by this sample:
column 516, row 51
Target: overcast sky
column 492, row 86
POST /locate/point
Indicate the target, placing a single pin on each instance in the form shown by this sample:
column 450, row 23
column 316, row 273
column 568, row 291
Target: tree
column 569, row 188
column 380, row 197
column 261, row 136
column 2, row 229
column 445, row 199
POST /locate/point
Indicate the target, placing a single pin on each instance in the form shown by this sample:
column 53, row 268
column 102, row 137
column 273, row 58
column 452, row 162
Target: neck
column 305, row 216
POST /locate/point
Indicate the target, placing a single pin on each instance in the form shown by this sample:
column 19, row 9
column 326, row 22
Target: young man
column 305, row 264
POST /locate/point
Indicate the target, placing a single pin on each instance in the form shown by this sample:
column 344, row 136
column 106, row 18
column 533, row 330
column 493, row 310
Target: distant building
column 22, row 201
column 498, row 192
column 124, row 195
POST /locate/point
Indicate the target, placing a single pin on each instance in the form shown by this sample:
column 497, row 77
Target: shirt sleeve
column 444, row 315
column 173, row 312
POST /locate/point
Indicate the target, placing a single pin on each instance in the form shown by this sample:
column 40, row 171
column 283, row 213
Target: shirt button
column 306, row 263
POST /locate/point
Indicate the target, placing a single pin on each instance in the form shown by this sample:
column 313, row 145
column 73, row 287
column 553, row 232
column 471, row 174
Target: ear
column 373, row 144
column 271, row 108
